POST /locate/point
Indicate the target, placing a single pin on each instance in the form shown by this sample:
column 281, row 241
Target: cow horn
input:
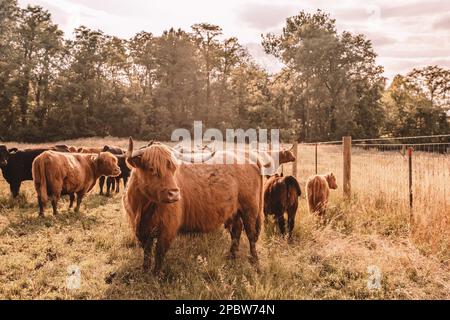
column 132, row 154
column 192, row 157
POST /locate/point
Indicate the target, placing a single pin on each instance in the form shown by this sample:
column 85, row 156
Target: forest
column 56, row 87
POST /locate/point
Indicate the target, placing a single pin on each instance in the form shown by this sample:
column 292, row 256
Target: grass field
column 372, row 230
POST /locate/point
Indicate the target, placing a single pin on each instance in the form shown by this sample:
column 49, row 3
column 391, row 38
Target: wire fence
column 384, row 176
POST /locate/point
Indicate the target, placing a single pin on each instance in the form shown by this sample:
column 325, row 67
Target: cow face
column 154, row 170
column 4, row 154
column 107, row 164
column 331, row 179
column 287, row 155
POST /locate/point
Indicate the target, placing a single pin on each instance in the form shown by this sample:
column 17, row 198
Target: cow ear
column 135, row 162
column 12, row 150
column 105, row 148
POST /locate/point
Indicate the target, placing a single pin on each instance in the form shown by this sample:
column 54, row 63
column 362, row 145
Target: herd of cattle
column 169, row 191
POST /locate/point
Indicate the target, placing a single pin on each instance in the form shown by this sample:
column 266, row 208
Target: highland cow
column 165, row 197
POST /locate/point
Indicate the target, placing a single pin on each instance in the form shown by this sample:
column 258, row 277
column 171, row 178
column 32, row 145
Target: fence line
column 400, row 144
column 380, row 139
column 409, row 175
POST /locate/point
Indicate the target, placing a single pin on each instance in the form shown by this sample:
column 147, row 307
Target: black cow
column 16, row 165
column 113, row 183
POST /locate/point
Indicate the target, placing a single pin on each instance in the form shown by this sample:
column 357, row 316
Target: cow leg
column 291, row 219
column 165, row 239
column 281, row 223
column 71, row 198
column 15, row 187
column 109, row 182
column 117, row 184
column 125, row 181
column 79, row 198
column 41, row 206
column 235, row 232
column 101, row 183
column 147, row 246
column 250, row 221
column 55, row 199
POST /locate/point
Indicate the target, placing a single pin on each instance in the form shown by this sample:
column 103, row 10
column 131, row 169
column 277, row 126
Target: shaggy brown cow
column 280, row 196
column 56, row 174
column 318, row 190
column 164, row 198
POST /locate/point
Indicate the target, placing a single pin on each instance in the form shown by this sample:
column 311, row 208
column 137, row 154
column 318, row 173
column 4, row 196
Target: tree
column 336, row 79
column 411, row 111
column 206, row 35
column 39, row 41
column 9, row 63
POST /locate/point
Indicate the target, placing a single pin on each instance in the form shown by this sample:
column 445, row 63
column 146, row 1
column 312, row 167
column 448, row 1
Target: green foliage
column 335, row 82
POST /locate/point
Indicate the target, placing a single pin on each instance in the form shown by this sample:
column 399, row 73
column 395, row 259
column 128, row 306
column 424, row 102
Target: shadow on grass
column 28, row 222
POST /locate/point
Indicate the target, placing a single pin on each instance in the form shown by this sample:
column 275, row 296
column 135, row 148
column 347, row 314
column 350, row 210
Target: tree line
column 94, row 84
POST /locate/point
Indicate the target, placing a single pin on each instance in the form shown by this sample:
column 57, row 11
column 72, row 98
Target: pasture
column 331, row 262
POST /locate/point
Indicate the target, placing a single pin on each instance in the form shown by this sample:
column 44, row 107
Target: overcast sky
column 405, row 34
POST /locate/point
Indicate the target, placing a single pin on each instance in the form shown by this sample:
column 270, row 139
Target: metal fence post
column 410, row 152
column 347, row 154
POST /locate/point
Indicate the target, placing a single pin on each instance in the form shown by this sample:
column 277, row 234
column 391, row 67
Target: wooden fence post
column 315, row 157
column 294, row 164
column 347, row 152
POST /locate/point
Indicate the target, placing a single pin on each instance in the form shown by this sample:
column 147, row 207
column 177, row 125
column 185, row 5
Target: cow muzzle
column 116, row 172
column 3, row 163
column 171, row 195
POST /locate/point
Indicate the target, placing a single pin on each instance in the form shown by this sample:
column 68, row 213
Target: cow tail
column 311, row 193
column 316, row 193
column 291, row 181
column 260, row 218
column 40, row 181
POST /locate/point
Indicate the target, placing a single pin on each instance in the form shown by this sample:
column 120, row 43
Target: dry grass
column 328, row 262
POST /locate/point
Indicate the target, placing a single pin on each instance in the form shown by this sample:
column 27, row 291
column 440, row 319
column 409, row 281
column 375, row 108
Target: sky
column 405, row 34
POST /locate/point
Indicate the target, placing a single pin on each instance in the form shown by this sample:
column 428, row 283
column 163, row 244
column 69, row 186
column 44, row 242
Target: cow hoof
column 253, row 260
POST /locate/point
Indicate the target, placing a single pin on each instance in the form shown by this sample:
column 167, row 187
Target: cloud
column 442, row 23
column 380, row 40
column 415, row 9
column 265, row 16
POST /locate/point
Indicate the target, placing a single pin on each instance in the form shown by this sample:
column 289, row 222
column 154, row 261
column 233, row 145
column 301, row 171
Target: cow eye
column 152, row 171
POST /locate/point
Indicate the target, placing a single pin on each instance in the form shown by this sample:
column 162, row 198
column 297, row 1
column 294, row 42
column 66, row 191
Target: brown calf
column 280, row 196
column 318, row 190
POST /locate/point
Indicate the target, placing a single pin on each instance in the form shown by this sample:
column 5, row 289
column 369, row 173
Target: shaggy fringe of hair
column 160, row 158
